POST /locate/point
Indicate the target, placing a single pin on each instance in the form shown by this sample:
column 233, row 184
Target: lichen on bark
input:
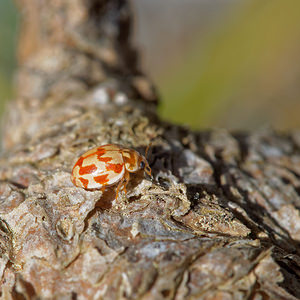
column 220, row 220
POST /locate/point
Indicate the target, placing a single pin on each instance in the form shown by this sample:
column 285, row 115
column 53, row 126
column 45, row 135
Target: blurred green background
column 232, row 64
column 8, row 43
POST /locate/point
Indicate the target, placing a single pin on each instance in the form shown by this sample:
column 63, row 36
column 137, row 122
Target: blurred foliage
column 244, row 75
column 8, row 38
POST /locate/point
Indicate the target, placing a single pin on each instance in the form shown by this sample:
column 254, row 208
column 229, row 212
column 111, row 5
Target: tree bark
column 220, row 220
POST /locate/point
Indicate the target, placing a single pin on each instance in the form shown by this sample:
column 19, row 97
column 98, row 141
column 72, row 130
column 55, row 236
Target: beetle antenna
column 147, row 149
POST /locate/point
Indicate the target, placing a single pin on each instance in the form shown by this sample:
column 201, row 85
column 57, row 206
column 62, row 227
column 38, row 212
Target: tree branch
column 219, row 220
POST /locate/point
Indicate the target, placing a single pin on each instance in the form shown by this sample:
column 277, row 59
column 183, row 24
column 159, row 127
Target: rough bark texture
column 219, row 221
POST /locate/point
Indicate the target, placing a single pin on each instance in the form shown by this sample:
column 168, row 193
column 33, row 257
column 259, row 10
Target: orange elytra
column 108, row 165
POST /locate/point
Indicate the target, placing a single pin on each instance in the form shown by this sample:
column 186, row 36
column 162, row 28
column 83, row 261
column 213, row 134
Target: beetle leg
column 125, row 182
column 118, row 187
column 122, row 184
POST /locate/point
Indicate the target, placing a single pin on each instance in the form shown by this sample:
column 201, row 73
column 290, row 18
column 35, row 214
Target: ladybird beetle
column 107, row 165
